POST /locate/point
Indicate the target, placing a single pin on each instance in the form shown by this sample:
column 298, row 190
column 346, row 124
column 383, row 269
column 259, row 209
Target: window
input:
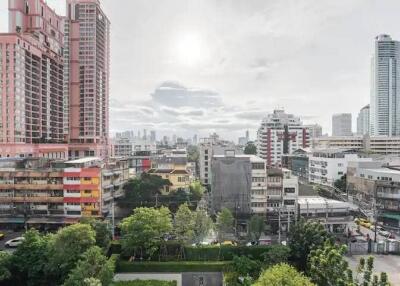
column 290, row 190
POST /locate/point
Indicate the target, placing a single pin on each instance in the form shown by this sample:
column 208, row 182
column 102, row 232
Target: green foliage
column 250, row 149
column 91, row 282
column 92, row 265
column 202, row 225
column 327, row 266
column 66, row 248
column 224, row 223
column 196, row 190
column 173, row 266
column 144, row 230
column 341, row 183
column 193, row 153
column 283, row 275
column 256, row 227
column 246, row 267
column 29, row 261
column 276, row 254
column 145, row 283
column 143, row 191
column 365, row 275
column 103, row 231
column 5, row 273
column 303, row 238
column 184, row 224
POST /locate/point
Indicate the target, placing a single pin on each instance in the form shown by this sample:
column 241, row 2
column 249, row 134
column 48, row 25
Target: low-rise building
column 175, row 169
column 140, row 162
column 377, row 186
column 372, row 144
column 282, row 196
column 39, row 191
column 335, row 215
column 328, row 165
column 298, row 163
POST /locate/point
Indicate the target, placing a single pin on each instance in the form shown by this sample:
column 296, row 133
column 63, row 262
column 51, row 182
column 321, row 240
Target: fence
column 381, row 247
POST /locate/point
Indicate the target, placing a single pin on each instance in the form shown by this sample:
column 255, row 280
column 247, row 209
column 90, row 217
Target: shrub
column 173, row 266
column 145, row 283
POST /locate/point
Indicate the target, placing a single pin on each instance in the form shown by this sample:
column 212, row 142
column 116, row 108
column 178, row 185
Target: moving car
column 2, row 235
column 386, row 234
column 14, row 242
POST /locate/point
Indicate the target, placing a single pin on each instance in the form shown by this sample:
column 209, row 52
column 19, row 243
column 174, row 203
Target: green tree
column 92, row 282
column 103, row 231
column 196, row 190
column 250, row 149
column 283, row 275
column 184, row 224
column 66, row 248
column 5, row 273
column 30, row 259
column 256, row 227
column 246, row 267
column 193, row 153
column 276, row 254
column 341, row 183
column 92, row 265
column 143, row 191
column 224, row 223
column 202, row 226
column 304, row 237
column 327, row 266
column 144, row 230
column 365, row 276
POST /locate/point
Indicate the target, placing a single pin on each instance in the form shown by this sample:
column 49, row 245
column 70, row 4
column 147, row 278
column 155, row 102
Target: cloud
column 176, row 95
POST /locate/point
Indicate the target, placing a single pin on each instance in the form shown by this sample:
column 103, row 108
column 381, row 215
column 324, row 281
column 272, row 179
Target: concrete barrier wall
column 149, row 276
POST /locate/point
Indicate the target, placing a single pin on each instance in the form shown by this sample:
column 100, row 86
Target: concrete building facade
column 363, row 121
column 385, row 82
column 281, row 133
column 341, row 124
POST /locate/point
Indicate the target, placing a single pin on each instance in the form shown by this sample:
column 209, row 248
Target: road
column 382, row 263
column 370, row 232
column 9, row 234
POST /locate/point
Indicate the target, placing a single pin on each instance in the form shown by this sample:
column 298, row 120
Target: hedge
column 172, row 251
column 145, row 283
column 172, row 266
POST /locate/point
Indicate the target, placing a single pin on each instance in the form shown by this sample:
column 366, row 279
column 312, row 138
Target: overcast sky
column 198, row 66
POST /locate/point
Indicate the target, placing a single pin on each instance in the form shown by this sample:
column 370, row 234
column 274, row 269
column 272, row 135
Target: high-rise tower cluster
column 54, row 81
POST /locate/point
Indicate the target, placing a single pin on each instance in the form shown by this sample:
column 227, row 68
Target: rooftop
column 321, row 202
column 83, row 160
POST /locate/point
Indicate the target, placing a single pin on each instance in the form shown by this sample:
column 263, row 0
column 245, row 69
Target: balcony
column 388, row 196
column 27, row 186
column 42, row 199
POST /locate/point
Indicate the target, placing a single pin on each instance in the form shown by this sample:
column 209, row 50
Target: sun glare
column 189, row 49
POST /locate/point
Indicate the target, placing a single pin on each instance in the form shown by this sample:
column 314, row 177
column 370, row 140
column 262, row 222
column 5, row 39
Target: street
column 9, row 234
column 382, row 263
column 366, row 231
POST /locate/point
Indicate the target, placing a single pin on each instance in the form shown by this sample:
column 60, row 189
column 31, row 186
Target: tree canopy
column 283, row 275
column 202, row 225
column 250, row 149
column 256, row 227
column 145, row 229
column 224, row 223
column 93, row 265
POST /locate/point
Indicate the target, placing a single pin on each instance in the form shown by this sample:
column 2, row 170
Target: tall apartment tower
column 363, row 121
column 281, row 133
column 385, row 92
column 341, row 124
column 31, row 79
column 87, row 53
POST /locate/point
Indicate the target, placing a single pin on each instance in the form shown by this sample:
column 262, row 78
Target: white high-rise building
column 385, row 94
column 341, row 124
column 281, row 133
column 363, row 121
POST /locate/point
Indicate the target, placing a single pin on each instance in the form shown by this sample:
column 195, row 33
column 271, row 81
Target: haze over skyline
column 190, row 67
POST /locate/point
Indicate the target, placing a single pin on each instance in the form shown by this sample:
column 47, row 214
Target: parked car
column 14, row 242
column 228, row 242
column 386, row 234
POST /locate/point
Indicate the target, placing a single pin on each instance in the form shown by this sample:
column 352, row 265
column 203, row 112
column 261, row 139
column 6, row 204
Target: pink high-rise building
column 31, row 81
column 86, row 55
column 54, row 81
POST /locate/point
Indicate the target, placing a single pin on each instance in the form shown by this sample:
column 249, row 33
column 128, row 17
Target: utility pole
column 156, row 200
column 375, row 214
column 113, row 218
column 279, row 225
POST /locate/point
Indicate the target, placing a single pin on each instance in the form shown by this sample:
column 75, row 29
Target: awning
column 12, row 220
column 44, row 220
column 394, row 216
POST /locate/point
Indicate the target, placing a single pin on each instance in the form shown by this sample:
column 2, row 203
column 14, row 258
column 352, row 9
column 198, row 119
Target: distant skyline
column 199, row 66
